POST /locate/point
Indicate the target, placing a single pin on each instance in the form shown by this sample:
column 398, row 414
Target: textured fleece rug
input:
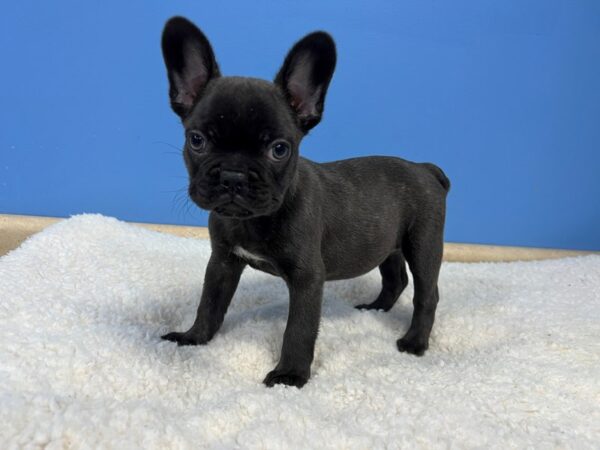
column 514, row 359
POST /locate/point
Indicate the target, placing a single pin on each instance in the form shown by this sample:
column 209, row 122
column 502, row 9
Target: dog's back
column 371, row 203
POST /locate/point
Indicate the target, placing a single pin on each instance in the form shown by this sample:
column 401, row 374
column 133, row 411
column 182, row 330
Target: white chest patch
column 246, row 255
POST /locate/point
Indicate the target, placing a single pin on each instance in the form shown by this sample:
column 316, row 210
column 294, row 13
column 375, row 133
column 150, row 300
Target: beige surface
column 14, row 229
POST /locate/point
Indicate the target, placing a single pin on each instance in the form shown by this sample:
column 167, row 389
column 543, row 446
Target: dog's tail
column 439, row 175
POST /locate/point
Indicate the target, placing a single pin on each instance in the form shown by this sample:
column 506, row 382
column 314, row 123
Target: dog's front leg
column 306, row 296
column 220, row 282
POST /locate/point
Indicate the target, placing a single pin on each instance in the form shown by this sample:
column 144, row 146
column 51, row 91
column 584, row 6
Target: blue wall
column 505, row 96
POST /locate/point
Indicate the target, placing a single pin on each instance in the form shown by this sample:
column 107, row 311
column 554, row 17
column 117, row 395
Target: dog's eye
column 197, row 141
column 279, row 151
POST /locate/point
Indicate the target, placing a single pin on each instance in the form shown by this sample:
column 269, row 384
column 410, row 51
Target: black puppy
column 291, row 217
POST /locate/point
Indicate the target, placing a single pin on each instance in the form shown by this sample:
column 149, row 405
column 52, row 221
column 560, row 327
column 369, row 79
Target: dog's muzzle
column 237, row 192
column 235, row 182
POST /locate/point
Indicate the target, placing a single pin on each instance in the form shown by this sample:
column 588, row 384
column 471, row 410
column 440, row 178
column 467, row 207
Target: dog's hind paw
column 376, row 305
column 284, row 377
column 184, row 338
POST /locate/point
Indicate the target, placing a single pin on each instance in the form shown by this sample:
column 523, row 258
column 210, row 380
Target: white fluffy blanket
column 514, row 360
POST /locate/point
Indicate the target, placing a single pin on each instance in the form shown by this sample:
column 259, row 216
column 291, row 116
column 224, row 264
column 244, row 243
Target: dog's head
column 242, row 134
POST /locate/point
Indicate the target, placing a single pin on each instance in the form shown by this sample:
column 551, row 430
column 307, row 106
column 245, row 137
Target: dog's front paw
column 184, row 338
column 412, row 345
column 286, row 377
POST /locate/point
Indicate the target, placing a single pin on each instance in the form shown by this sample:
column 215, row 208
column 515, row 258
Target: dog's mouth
column 243, row 204
column 234, row 206
column 233, row 210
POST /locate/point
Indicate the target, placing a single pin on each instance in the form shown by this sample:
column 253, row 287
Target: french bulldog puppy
column 283, row 214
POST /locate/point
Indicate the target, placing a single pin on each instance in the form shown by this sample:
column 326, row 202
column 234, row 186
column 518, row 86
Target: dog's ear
column 305, row 76
column 190, row 63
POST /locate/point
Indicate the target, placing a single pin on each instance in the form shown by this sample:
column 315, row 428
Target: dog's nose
column 234, row 181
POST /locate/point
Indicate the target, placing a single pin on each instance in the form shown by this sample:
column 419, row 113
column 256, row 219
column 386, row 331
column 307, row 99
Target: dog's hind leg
column 393, row 281
column 423, row 251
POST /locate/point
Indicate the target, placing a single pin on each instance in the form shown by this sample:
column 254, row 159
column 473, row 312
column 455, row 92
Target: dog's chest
column 255, row 260
column 247, row 255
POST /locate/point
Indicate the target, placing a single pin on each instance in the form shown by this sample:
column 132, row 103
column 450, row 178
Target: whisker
column 170, row 145
column 182, row 205
column 174, row 190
